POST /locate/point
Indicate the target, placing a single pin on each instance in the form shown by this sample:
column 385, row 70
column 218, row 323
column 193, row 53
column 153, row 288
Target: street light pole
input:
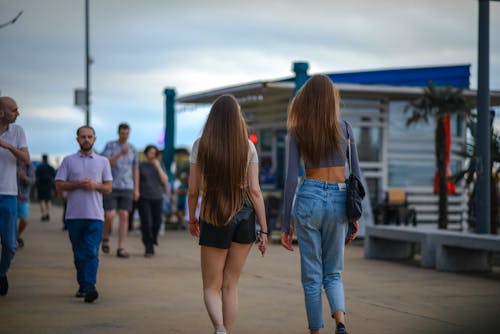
column 87, row 65
column 483, row 198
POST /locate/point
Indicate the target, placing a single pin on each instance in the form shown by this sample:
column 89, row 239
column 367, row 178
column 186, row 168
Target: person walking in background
column 85, row 176
column 125, row 170
column 152, row 181
column 13, row 148
column 45, row 174
column 181, row 192
column 25, row 180
column 225, row 169
column 318, row 137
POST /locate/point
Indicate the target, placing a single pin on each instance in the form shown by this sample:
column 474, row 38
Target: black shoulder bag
column 355, row 192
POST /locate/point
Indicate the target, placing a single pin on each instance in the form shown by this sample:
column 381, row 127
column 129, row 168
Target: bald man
column 13, row 148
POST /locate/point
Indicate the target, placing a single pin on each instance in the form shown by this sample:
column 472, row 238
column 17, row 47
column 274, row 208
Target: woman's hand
column 287, row 239
column 194, row 227
column 353, row 232
column 262, row 241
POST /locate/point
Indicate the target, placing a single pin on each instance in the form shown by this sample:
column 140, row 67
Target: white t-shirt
column 252, row 152
column 8, row 162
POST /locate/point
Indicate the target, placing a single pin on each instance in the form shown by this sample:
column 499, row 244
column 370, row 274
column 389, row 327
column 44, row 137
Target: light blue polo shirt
column 123, row 169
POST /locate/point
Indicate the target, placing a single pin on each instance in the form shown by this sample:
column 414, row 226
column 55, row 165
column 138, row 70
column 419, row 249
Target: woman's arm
column 161, row 173
column 258, row 203
column 193, row 194
column 291, row 181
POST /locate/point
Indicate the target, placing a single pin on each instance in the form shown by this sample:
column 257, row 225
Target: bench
column 464, row 251
column 441, row 249
column 387, row 242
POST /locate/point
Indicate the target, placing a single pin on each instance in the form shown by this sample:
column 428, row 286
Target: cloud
column 141, row 47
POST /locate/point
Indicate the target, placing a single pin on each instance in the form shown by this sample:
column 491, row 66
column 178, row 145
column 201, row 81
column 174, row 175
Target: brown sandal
column 105, row 246
column 120, row 252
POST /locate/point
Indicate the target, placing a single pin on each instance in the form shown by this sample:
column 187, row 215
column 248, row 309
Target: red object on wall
column 253, row 138
column 450, row 184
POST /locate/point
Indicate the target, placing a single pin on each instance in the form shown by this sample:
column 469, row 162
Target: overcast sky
column 140, row 47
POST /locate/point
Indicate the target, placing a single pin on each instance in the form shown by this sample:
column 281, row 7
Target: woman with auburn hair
column 318, row 137
column 225, row 171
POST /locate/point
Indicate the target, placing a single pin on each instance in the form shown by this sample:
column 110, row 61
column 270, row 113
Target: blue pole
column 168, row 150
column 483, row 198
column 300, row 69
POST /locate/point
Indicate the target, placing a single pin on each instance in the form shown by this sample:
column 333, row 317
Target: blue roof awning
column 456, row 76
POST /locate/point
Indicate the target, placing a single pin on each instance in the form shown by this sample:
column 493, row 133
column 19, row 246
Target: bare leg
column 48, row 204
column 314, row 331
column 339, row 316
column 22, row 226
column 212, row 271
column 123, row 228
column 108, row 222
column 43, row 208
column 235, row 261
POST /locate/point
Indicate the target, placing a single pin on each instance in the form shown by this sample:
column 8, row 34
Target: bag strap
column 348, row 147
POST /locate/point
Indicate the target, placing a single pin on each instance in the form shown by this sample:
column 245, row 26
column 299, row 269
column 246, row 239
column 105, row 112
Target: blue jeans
column 8, row 231
column 85, row 236
column 320, row 222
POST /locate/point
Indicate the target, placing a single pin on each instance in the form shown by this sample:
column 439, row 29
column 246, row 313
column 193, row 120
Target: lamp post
column 87, row 65
column 3, row 25
column 483, row 198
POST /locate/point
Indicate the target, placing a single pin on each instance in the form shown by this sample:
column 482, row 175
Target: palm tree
column 439, row 103
column 469, row 172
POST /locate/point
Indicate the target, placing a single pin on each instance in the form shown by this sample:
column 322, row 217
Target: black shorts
column 44, row 194
column 241, row 229
column 120, row 199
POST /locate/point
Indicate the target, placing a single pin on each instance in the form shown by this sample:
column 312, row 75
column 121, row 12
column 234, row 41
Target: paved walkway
column 164, row 295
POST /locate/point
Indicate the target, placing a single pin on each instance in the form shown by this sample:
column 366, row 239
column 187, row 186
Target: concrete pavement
column 164, row 294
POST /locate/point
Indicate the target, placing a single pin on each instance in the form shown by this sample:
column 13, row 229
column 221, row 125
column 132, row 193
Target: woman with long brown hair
column 318, row 137
column 224, row 170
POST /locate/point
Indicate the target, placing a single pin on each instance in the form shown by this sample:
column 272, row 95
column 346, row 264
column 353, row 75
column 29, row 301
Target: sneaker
column 4, row 285
column 91, row 296
column 220, row 330
column 341, row 329
column 80, row 294
column 120, row 252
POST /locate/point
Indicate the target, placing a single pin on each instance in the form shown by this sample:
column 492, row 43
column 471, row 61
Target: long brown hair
column 222, row 158
column 313, row 119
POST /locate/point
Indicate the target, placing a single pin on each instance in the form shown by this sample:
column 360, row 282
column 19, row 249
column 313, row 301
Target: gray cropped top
column 337, row 159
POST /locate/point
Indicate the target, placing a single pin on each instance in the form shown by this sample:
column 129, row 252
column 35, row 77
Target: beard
column 86, row 147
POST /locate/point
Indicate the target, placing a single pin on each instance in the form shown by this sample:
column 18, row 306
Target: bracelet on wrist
column 262, row 232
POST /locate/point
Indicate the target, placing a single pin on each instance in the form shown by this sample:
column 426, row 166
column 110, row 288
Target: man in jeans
column 85, row 176
column 13, row 148
column 125, row 168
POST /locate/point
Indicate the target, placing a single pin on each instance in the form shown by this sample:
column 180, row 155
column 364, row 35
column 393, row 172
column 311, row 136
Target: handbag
column 355, row 192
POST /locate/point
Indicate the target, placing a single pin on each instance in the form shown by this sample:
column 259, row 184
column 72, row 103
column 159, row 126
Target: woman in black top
column 152, row 181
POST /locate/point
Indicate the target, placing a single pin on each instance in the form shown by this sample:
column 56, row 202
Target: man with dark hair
column 13, row 148
column 125, row 169
column 85, row 176
column 45, row 174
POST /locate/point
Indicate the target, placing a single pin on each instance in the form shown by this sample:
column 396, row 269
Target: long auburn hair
column 313, row 119
column 222, row 159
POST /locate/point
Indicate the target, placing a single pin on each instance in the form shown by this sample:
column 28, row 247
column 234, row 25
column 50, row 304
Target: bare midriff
column 327, row 174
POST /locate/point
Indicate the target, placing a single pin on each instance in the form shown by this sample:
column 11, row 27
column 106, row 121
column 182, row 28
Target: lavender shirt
column 84, row 204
